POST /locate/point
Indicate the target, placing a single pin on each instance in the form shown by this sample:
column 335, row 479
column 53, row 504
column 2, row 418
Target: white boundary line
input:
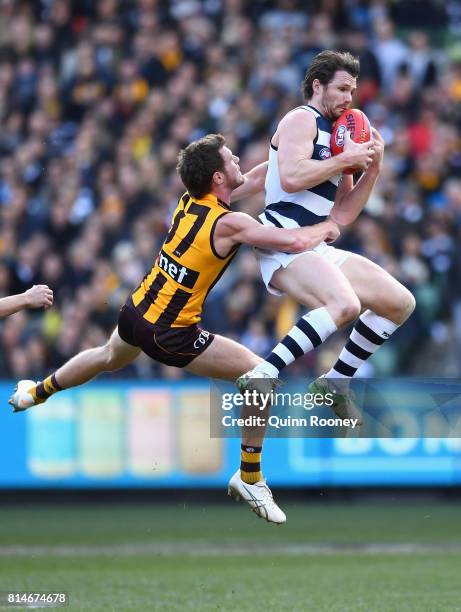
column 205, row 549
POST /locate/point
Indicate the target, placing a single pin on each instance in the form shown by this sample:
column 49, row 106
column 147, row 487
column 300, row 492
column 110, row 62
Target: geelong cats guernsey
column 306, row 207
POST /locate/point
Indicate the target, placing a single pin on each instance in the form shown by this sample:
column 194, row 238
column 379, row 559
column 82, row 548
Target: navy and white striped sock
column 311, row 330
column 369, row 333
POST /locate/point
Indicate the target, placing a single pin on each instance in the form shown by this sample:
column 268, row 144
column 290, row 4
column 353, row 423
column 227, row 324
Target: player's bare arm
column 240, row 228
column 253, row 182
column 38, row 296
column 351, row 199
column 295, row 141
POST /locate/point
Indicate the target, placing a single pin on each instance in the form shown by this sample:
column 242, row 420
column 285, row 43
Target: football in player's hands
column 357, row 124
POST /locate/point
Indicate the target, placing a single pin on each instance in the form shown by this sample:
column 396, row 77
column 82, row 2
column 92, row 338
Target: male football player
column 161, row 316
column 305, row 185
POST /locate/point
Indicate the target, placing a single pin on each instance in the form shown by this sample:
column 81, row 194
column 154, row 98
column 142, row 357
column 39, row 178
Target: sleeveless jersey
column 306, row 207
column 187, row 267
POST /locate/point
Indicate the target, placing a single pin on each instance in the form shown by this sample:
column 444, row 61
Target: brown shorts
column 175, row 346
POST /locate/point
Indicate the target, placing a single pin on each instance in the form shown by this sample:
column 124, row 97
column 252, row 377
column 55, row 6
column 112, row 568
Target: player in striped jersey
column 161, row 316
column 305, row 185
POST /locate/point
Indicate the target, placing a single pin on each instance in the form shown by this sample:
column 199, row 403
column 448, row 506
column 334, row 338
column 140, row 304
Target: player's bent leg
column 386, row 303
column 227, row 360
column 113, row 355
column 377, row 290
column 224, row 359
column 314, row 281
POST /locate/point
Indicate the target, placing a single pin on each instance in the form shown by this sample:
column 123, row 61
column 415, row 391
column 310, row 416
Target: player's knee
column 347, row 310
column 351, row 310
column 398, row 306
column 406, row 305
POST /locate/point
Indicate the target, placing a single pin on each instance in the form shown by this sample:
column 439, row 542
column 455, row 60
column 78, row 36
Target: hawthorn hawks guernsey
column 187, row 267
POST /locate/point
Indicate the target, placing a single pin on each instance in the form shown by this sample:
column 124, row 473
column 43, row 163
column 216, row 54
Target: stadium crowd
column 97, row 98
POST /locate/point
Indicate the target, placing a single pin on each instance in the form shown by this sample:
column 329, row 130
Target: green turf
column 215, row 580
column 230, row 522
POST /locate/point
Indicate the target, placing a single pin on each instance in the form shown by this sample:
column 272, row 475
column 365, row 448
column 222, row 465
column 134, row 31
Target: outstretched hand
column 39, row 296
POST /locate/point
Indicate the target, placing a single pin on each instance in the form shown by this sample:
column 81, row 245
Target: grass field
column 354, row 557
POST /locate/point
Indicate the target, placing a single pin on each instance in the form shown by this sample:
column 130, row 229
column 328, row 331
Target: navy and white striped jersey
column 308, row 206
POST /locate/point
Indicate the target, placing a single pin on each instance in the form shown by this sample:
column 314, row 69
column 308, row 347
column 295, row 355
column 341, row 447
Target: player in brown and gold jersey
column 161, row 316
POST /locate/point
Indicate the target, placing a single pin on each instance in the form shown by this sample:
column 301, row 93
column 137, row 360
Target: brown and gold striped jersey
column 186, row 268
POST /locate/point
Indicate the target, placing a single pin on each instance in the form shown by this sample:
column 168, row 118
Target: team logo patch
column 202, row 339
column 324, row 153
column 339, row 139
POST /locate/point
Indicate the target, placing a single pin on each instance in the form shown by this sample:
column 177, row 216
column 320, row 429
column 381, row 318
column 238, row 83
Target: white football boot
column 21, row 398
column 257, row 380
column 259, row 498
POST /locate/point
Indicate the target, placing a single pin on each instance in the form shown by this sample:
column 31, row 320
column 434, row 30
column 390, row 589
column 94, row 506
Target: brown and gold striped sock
column 250, row 465
column 45, row 389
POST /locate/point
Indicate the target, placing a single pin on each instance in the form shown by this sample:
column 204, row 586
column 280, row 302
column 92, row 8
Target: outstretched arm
column 38, row 296
column 253, row 182
column 351, row 199
column 240, row 228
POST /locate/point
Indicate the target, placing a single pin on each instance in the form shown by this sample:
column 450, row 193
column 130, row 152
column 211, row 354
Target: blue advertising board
column 133, row 434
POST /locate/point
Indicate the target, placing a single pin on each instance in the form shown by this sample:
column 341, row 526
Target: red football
column 359, row 128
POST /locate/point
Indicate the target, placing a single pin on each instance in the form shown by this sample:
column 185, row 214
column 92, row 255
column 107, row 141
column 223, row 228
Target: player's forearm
column 351, row 204
column 311, row 236
column 310, row 172
column 12, row 303
column 289, row 240
column 253, row 182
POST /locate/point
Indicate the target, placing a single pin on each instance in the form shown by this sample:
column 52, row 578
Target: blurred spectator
column 421, row 62
column 355, row 41
column 390, row 51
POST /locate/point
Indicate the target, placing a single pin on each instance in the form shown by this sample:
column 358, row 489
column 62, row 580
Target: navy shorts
column 174, row 346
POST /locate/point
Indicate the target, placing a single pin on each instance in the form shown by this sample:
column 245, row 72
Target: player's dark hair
column 324, row 66
column 199, row 161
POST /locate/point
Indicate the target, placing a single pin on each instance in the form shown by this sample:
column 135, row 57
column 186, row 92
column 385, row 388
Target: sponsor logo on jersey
column 324, row 153
column 179, row 273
